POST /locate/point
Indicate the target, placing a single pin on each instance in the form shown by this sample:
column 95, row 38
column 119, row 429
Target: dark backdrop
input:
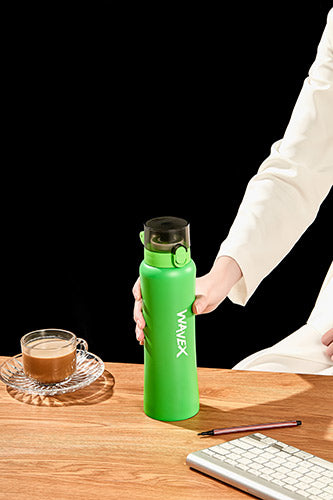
column 116, row 117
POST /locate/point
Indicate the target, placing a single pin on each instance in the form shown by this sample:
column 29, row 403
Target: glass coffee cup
column 49, row 356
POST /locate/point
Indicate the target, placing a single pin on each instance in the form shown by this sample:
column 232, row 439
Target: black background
column 114, row 117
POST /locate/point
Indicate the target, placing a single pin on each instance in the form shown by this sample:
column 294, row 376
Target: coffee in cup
column 49, row 356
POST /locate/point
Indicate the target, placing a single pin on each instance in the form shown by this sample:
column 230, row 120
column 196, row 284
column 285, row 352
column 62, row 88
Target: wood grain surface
column 97, row 443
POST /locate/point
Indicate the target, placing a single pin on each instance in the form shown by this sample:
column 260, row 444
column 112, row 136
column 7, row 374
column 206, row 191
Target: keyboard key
column 273, row 465
column 268, row 440
column 303, row 493
column 254, row 471
column 267, row 455
column 318, row 484
column 231, row 462
column 325, row 496
column 266, row 476
column 291, row 449
column 256, row 451
column 290, row 480
column 316, row 468
column 307, row 479
column 256, row 466
column 208, row 452
column 259, row 435
column 244, row 461
column 295, row 459
column 241, row 466
column 248, row 440
column 267, row 470
column 283, row 469
column 259, row 444
column 283, row 445
column 314, row 490
column 237, row 451
column 282, row 454
column 219, row 449
column 291, row 465
column 294, row 474
column 243, row 445
column 313, row 474
column 272, row 449
column 290, row 487
column 328, row 489
column 278, row 475
column 326, row 480
column 227, row 446
column 250, row 455
column 322, row 463
column 307, row 464
column 303, row 486
column 301, row 469
column 303, row 454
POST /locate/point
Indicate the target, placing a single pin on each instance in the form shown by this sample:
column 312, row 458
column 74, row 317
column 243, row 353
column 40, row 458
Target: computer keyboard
column 267, row 468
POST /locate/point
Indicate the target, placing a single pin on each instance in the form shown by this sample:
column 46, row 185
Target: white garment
column 302, row 351
column 279, row 204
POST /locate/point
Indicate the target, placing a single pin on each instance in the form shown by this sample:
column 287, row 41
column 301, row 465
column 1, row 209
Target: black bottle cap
column 162, row 234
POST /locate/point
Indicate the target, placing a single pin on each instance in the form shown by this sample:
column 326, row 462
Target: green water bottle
column 167, row 276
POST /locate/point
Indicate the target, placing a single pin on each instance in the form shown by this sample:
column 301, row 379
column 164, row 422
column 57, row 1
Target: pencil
column 244, row 428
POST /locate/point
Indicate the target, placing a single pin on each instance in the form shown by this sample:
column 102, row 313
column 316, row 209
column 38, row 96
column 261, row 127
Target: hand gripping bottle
column 167, row 276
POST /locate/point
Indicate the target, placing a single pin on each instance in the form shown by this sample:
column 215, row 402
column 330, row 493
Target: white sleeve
column 283, row 198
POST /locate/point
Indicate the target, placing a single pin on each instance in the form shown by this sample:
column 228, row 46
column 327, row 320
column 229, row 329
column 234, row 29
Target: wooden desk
column 98, row 444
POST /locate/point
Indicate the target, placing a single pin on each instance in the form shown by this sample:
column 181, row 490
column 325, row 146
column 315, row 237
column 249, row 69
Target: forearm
column 280, row 203
column 213, row 287
column 283, row 198
column 225, row 273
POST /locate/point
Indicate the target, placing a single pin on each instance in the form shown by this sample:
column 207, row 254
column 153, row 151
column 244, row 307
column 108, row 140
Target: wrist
column 225, row 273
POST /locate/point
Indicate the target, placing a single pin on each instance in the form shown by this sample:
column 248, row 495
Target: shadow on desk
column 98, row 391
column 266, row 403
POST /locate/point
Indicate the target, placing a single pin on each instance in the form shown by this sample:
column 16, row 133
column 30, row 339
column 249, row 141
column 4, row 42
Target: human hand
column 327, row 339
column 137, row 312
column 211, row 290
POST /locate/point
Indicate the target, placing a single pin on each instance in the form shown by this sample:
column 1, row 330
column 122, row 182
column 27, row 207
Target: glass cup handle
column 81, row 344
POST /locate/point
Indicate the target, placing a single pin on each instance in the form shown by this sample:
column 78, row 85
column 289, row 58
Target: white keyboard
column 267, row 468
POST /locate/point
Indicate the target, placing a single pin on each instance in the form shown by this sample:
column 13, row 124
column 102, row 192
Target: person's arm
column 283, row 198
column 212, row 288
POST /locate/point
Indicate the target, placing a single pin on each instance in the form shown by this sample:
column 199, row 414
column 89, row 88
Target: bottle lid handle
column 180, row 255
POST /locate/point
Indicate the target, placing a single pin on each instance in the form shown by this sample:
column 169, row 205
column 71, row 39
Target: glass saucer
column 88, row 368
